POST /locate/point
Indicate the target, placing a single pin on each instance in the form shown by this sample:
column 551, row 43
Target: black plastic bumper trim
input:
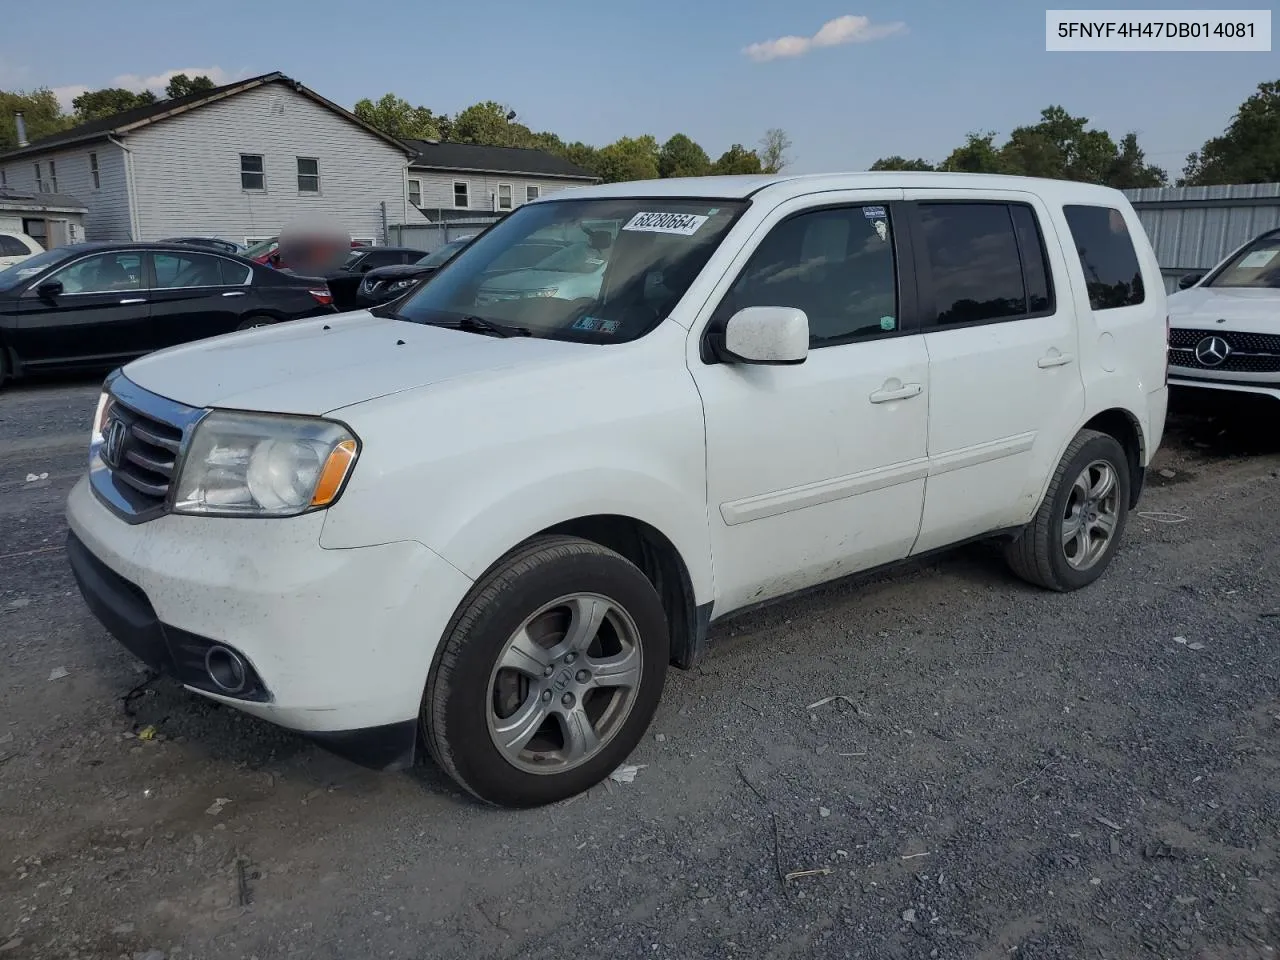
column 392, row 746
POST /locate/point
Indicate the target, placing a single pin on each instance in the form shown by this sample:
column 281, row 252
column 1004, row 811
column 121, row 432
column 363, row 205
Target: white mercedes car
column 1225, row 327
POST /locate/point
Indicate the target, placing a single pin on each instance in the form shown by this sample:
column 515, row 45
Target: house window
column 93, row 171
column 415, row 192
column 308, row 175
column 4, row 179
column 39, row 179
column 504, row 196
column 252, row 175
column 532, row 193
column 461, row 194
column 53, row 177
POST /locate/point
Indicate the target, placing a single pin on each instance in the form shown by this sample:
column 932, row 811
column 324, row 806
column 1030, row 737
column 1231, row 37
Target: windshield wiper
column 481, row 325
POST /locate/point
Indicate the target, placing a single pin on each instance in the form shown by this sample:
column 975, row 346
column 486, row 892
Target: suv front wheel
column 548, row 675
column 1074, row 534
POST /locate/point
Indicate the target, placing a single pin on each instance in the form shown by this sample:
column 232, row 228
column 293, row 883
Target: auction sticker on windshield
column 684, row 224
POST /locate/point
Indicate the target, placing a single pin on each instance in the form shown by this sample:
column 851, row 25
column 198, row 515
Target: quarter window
column 461, row 194
column 308, row 175
column 1110, row 263
column 104, row 273
column 976, row 269
column 178, row 270
column 12, row 247
column 836, row 265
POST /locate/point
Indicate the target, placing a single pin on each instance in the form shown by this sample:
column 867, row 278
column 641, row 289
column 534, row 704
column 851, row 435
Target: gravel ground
column 1002, row 771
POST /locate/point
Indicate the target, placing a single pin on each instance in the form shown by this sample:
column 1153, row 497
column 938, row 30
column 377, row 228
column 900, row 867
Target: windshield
column 1257, row 265
column 444, row 253
column 258, row 249
column 595, row 271
column 29, row 267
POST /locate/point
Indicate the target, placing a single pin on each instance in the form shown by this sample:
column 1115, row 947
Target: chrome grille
column 142, row 436
column 1247, row 352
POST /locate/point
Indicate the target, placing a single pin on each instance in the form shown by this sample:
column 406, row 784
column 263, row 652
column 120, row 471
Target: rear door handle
column 1054, row 360
column 904, row 392
column 135, row 300
column 234, row 293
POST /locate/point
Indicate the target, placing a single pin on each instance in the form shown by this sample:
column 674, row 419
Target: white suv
column 491, row 526
column 1226, row 325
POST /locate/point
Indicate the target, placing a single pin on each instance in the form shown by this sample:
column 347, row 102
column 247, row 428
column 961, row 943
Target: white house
column 456, row 180
column 238, row 162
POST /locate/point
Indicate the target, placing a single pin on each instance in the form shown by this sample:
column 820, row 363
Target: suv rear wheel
column 549, row 674
column 1074, row 534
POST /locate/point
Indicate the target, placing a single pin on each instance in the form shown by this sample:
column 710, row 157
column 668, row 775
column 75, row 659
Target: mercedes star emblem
column 1211, row 351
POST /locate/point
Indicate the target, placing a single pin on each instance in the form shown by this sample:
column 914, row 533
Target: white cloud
column 68, row 93
column 157, row 82
column 834, row 33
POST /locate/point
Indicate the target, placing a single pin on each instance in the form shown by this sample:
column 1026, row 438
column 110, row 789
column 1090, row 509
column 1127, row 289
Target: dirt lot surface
column 1003, row 772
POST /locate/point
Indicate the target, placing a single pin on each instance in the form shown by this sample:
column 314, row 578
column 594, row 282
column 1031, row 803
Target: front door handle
column 1054, row 360
column 905, row 392
column 134, row 300
column 234, row 293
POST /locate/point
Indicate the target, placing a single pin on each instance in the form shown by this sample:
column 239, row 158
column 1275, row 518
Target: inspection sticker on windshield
column 684, row 224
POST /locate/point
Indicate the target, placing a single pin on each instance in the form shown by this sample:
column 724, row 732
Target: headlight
column 402, row 284
column 262, row 465
column 95, row 433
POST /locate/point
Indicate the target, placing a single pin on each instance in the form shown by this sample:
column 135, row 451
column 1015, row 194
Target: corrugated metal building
column 1193, row 228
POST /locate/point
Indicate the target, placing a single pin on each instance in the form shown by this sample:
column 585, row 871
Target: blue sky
column 598, row 70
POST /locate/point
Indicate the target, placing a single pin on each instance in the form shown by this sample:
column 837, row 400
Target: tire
column 1056, row 550
column 544, row 589
column 257, row 321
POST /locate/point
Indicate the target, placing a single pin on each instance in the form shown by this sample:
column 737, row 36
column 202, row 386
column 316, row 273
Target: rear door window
column 1107, row 256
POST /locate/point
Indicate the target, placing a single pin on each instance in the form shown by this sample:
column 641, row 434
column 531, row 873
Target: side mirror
column 1189, row 280
column 768, row 335
column 49, row 289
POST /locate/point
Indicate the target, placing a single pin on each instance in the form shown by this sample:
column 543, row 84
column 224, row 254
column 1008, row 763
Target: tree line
column 1064, row 147
column 627, row 158
column 1059, row 145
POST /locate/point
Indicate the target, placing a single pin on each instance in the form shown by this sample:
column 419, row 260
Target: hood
column 1226, row 308
column 316, row 366
column 400, row 271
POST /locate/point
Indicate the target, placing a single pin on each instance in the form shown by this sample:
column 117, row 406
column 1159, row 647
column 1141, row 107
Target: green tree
column 490, row 123
column 773, row 150
column 180, row 85
column 583, row 155
column 96, row 104
column 978, row 155
column 628, row 158
column 901, row 163
column 681, row 157
column 41, row 113
column 397, row 117
column 1248, row 151
column 737, row 159
column 1130, row 169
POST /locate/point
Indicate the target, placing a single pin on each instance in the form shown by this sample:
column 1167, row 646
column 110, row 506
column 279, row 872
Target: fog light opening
column 226, row 669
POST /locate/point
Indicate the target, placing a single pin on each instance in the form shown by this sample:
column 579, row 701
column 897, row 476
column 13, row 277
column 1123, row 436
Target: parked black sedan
column 97, row 305
column 386, row 283
column 344, row 281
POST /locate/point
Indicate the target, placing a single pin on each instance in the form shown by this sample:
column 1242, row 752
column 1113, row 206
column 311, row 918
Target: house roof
column 122, row 123
column 11, row 199
column 477, row 158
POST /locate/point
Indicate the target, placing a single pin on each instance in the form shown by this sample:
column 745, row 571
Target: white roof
column 782, row 185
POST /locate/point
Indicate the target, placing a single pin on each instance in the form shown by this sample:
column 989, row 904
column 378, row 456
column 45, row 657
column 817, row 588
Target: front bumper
column 1260, row 387
column 338, row 642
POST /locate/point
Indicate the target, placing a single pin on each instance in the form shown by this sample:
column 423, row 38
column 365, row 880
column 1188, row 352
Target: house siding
column 187, row 169
column 437, row 188
column 108, row 206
